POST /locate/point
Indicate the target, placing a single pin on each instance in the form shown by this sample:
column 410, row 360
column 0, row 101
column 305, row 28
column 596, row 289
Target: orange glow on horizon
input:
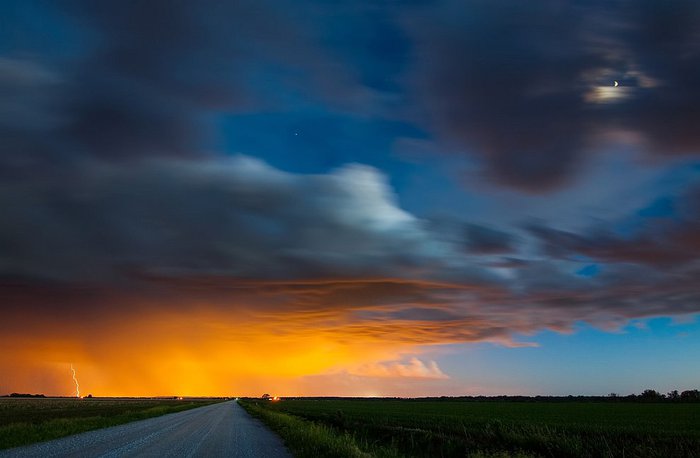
column 227, row 337
column 202, row 353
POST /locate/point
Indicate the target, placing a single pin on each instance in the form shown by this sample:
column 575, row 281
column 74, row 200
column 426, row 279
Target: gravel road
column 222, row 429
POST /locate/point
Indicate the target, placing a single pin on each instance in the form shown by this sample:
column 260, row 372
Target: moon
column 616, row 84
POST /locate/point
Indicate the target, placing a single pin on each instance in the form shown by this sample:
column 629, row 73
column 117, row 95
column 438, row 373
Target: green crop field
column 458, row 428
column 24, row 421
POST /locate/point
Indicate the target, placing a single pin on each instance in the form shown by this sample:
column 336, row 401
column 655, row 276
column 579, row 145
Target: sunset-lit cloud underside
column 200, row 350
column 227, row 341
column 220, row 336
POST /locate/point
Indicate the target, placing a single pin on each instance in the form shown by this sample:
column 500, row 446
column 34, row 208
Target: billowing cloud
column 237, row 217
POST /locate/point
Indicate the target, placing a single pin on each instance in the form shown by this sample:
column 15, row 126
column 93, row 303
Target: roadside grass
column 26, row 421
column 306, row 439
column 413, row 428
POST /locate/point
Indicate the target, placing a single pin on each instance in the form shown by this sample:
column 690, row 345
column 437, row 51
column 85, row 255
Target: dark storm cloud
column 142, row 78
column 485, row 240
column 29, row 119
column 525, row 87
column 528, row 86
column 197, row 51
column 664, row 39
column 159, row 65
column 665, row 247
column 658, row 241
column 235, row 216
column 503, row 79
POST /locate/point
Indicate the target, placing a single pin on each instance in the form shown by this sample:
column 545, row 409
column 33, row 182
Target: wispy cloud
column 412, row 368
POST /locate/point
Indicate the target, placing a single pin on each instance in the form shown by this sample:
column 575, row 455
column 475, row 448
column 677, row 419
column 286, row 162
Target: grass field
column 453, row 428
column 24, row 421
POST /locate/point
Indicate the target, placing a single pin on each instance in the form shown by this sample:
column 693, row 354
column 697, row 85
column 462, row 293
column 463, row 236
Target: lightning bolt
column 75, row 379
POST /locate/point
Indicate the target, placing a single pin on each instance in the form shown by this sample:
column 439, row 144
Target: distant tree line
column 23, row 395
column 645, row 396
column 653, row 395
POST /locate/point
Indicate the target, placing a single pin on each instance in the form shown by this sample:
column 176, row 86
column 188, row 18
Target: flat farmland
column 457, row 428
column 28, row 420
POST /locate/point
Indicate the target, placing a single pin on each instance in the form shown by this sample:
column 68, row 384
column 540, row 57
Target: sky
column 349, row 198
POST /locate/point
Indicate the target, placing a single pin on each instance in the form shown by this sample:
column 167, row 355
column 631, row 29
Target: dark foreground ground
column 219, row 430
column 457, row 428
column 24, row 421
